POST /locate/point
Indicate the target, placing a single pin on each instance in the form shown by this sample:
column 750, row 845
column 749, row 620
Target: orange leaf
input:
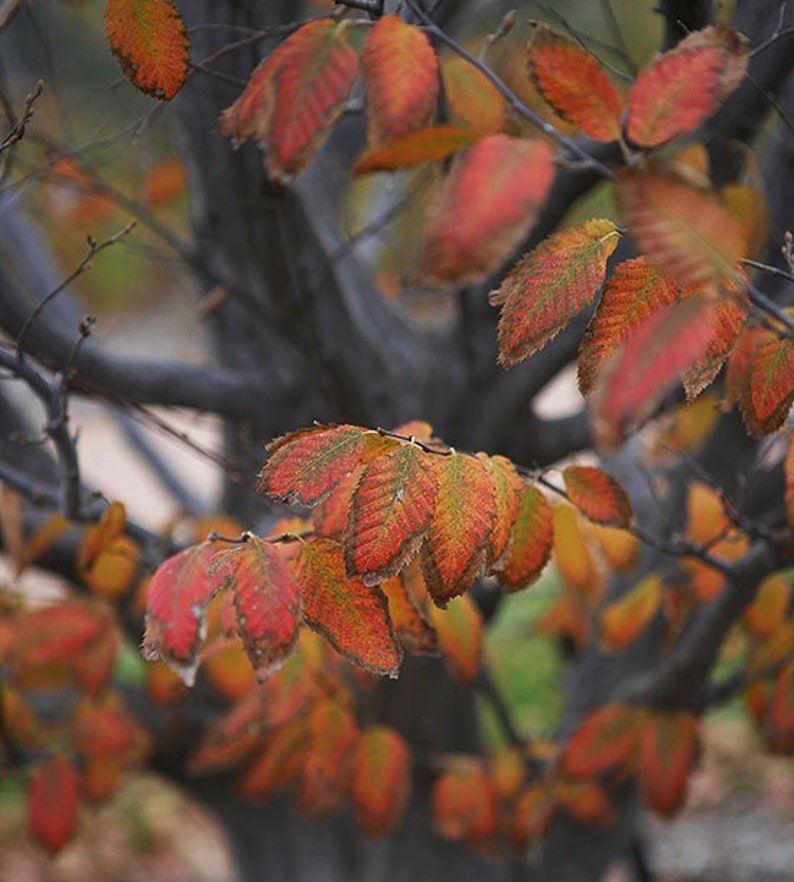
column 770, row 608
column 635, row 290
column 619, row 547
column 507, row 489
column 164, row 182
column 98, row 537
column 381, row 781
column 571, row 555
column 683, row 228
column 413, row 631
column 55, row 634
column 638, row 375
column 532, row 817
column 471, row 97
column 729, row 317
column 266, row 601
column 114, row 568
column 149, row 41
column 425, row 145
column 678, row 90
column 303, row 467
column 177, row 601
column 508, row 771
column 350, row 614
column 551, row 285
column 605, row 741
column 52, row 802
column 584, row 800
column 668, row 750
column 400, row 79
column 623, row 620
column 106, row 729
column 486, row 205
column 93, row 665
column 101, row 777
column 249, row 116
column 459, row 629
column 770, row 386
column 456, row 545
column 788, row 471
column 390, row 512
column 277, row 765
column 330, row 516
column 597, row 495
column 228, row 668
column 43, row 539
column 575, row 85
column 780, row 720
column 531, row 541
column 464, row 803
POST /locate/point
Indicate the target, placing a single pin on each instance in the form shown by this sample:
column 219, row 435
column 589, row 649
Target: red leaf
column 106, row 729
column 770, row 386
column 623, row 620
column 668, row 750
column 507, row 488
column 178, row 595
column 459, row 629
column 277, row 765
column 52, row 802
column 303, row 467
column 680, row 89
column 425, row 145
column 149, row 41
column 788, row 472
column 780, row 720
column 551, row 285
column 266, row 601
column 55, row 634
column 530, row 544
column 484, row 208
column 597, row 495
column 390, row 512
column 400, row 79
column 575, row 85
column 249, row 116
column 93, row 666
column 464, row 803
column 381, row 780
column 683, row 228
column 643, row 370
column 456, row 545
column 605, row 741
column 532, row 817
column 350, row 614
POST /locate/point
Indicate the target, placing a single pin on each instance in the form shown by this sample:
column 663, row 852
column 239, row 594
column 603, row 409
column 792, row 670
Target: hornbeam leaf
column 390, row 512
column 635, row 290
column 572, row 555
column 507, row 485
column 425, row 145
column 623, row 620
column 471, row 97
column 770, row 387
column 551, row 285
column 249, row 116
column 678, row 90
column 413, row 630
column 605, row 741
column 400, row 79
column 52, row 799
column 683, row 228
column 597, row 495
column 668, row 750
column 484, row 208
column 304, row 466
column 640, row 373
column 381, row 781
column 459, row 629
column 531, row 540
column 574, row 83
column 353, row 616
column 149, row 41
column 456, row 544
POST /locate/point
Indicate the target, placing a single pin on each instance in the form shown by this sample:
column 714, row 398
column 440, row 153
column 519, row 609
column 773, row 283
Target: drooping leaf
column 43, row 539
column 99, row 537
column 574, row 83
column 507, row 486
column 464, row 803
column 788, row 471
column 52, row 801
column 668, row 750
column 304, row 467
column 353, row 616
column 381, row 781
column 780, row 721
column 390, row 512
column 55, row 634
column 93, row 665
column 532, row 817
column 456, row 545
column 597, row 495
column 485, row 207
column 178, row 595
column 411, row 626
column 638, row 375
column 400, row 79
column 623, row 620
column 459, row 629
column 249, row 116
column 551, row 285
column 729, row 318
column 106, row 728
column 266, row 602
column 112, row 573
column 770, row 386
column 634, row 291
column 605, row 741
column 277, row 765
column 584, row 800
column 530, row 542
column 770, row 608
column 572, row 556
column 425, row 145
column 619, row 547
column 471, row 97
column 678, row 90
column 150, row 43
column 683, row 228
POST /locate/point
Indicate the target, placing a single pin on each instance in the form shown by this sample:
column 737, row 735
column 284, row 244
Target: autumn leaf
column 390, row 512
column 464, row 803
column 678, row 90
column 770, row 385
column 572, row 556
column 771, row 605
column 683, row 228
column 623, row 620
column 788, row 472
column 98, row 537
column 471, row 97
column 400, row 79
column 485, row 206
column 150, row 43
column 619, row 547
column 411, row 626
column 532, row 817
column 507, row 488
column 52, row 800
column 55, row 634
column 780, row 719
column 459, row 629
column 530, row 542
column 381, row 781
column 584, row 800
column 426, row 145
column 277, row 765
column 668, row 750
column 597, row 495
column 93, row 666
column 350, row 614
column 551, row 285
column 604, row 741
column 43, row 539
column 574, row 83
column 106, row 728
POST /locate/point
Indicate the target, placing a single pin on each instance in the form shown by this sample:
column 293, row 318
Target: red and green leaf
column 530, row 542
column 52, row 802
column 770, row 388
column 770, row 608
column 551, row 285
column 584, row 800
column 780, row 719
column 381, row 781
column 471, row 97
column 597, row 495
column 507, row 488
column 668, row 750
column 605, row 741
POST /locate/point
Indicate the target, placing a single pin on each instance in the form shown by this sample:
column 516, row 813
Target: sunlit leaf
column 619, row 547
